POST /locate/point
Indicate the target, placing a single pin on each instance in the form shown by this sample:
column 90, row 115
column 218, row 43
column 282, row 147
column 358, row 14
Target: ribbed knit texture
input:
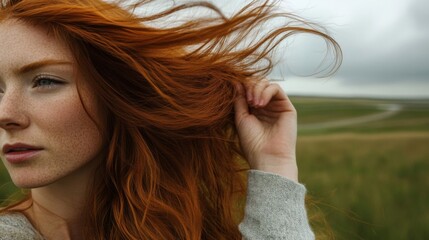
column 275, row 210
column 17, row 227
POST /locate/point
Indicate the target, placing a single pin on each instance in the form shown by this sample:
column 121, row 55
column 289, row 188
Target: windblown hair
column 173, row 167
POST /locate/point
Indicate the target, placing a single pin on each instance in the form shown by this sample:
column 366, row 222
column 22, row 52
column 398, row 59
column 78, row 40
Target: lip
column 15, row 157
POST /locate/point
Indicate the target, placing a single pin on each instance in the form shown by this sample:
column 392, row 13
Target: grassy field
column 370, row 178
column 365, row 164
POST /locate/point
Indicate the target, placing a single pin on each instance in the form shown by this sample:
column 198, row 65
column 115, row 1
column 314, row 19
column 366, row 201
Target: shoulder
column 17, row 226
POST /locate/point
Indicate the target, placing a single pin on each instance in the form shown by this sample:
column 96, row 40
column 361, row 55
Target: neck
column 57, row 208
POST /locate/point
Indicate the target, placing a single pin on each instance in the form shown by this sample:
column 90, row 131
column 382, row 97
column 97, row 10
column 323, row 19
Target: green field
column 369, row 177
column 365, row 164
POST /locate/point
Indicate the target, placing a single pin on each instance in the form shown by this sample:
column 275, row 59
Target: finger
column 258, row 90
column 275, row 92
column 263, row 115
column 241, row 107
column 263, row 112
column 248, row 87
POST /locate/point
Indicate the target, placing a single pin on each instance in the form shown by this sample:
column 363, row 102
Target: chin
column 28, row 182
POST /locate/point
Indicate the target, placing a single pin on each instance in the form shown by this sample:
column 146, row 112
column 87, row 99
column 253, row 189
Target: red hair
column 173, row 164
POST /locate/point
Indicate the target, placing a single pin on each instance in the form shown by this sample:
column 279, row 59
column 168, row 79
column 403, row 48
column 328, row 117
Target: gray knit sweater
column 274, row 211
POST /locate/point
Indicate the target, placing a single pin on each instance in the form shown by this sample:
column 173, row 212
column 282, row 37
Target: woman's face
column 45, row 133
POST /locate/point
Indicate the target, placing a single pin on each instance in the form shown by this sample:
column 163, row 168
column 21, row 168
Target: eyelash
column 52, row 82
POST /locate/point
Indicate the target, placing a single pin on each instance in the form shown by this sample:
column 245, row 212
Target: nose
column 12, row 114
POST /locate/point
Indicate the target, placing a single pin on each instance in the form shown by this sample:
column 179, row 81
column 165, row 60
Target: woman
column 127, row 131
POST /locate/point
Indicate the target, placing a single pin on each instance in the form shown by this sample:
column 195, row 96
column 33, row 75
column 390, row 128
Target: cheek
column 69, row 129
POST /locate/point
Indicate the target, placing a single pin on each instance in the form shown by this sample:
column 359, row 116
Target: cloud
column 419, row 11
column 384, row 41
column 387, row 43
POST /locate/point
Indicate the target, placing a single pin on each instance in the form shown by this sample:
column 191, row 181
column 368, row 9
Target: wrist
column 288, row 170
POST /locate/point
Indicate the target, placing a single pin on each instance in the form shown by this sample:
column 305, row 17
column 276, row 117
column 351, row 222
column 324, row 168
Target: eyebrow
column 39, row 64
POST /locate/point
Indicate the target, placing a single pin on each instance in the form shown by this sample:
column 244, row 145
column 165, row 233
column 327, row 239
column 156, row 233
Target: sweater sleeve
column 275, row 209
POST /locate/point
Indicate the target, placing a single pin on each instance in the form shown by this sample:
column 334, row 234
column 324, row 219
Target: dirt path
column 365, row 136
column 389, row 110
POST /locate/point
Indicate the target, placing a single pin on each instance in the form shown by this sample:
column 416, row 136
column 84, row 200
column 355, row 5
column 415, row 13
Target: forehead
column 22, row 43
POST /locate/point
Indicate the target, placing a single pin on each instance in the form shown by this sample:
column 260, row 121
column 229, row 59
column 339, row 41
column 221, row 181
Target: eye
column 43, row 81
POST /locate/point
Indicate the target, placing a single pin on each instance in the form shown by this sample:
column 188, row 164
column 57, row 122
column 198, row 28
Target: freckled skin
column 53, row 118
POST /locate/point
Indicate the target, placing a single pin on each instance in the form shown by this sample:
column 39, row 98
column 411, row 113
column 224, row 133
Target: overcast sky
column 385, row 45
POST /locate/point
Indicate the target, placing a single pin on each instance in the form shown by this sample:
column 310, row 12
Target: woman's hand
column 267, row 126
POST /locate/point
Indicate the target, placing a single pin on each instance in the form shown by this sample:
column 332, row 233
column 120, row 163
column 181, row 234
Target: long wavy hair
column 173, row 168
